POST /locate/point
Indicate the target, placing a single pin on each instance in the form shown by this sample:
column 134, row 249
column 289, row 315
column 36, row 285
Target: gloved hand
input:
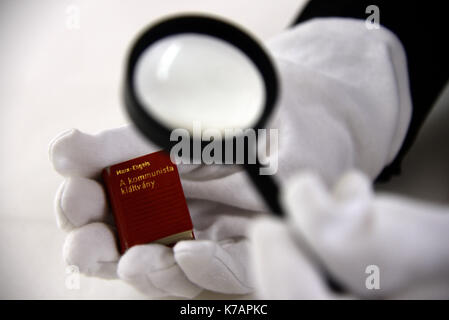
column 332, row 116
column 374, row 245
column 215, row 261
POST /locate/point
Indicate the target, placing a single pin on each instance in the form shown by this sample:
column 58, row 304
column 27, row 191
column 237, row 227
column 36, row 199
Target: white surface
column 56, row 76
column 191, row 78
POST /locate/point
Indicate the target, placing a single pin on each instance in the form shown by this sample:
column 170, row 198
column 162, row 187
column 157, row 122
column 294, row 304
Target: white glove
column 402, row 242
column 345, row 102
column 332, row 116
column 215, row 261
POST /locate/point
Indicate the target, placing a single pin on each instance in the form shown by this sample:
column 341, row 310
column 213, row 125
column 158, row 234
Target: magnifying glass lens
column 187, row 78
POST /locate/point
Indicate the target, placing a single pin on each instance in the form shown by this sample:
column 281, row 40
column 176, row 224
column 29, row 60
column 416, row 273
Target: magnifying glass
column 197, row 70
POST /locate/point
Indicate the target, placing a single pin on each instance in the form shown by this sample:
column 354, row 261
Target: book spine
column 116, row 210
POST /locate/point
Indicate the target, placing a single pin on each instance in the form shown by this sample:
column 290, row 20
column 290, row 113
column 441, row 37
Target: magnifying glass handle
column 267, row 186
column 269, row 189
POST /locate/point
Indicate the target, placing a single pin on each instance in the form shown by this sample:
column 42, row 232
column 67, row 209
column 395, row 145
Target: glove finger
column 220, row 267
column 353, row 184
column 92, row 248
column 226, row 190
column 80, row 154
column 218, row 223
column 74, row 153
column 365, row 241
column 304, row 193
column 323, row 217
column 80, row 201
column 280, row 269
column 333, row 228
column 153, row 270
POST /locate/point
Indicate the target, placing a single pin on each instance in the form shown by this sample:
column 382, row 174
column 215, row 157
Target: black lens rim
column 156, row 131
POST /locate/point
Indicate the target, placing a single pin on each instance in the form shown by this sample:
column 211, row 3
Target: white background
column 53, row 78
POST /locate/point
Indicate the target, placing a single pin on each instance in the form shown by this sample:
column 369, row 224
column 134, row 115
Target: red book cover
column 147, row 200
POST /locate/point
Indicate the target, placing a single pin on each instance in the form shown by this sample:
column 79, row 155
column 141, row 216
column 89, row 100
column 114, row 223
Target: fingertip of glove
column 353, row 184
column 57, row 148
column 62, row 221
column 197, row 252
column 89, row 247
column 143, row 259
column 80, row 201
column 56, row 140
column 305, row 190
column 152, row 269
column 212, row 267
